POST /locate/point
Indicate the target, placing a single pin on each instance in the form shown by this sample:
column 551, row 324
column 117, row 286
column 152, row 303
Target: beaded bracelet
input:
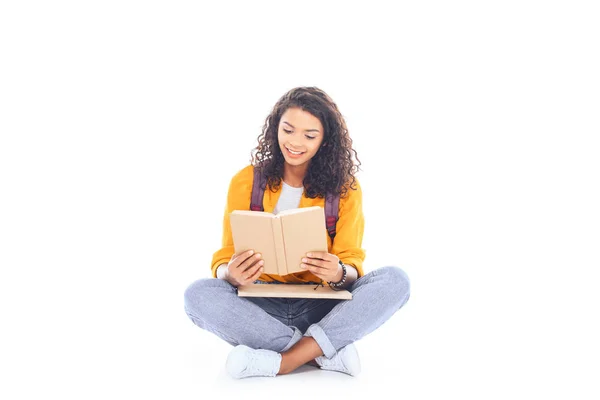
column 340, row 284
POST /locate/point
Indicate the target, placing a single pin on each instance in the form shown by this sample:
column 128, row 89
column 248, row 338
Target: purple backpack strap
column 331, row 213
column 258, row 191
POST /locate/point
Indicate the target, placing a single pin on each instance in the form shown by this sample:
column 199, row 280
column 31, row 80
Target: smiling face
column 300, row 135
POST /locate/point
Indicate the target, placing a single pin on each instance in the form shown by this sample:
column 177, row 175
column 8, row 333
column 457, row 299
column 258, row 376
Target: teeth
column 295, row 152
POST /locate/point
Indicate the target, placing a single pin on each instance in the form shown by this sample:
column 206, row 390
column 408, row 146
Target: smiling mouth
column 295, row 153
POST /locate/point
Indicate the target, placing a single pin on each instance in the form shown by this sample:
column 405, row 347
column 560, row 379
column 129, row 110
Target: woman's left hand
column 324, row 265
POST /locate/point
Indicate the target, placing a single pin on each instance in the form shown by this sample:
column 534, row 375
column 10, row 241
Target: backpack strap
column 259, row 185
column 331, row 213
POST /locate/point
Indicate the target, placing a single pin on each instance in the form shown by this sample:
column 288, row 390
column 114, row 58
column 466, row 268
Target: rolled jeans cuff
column 317, row 333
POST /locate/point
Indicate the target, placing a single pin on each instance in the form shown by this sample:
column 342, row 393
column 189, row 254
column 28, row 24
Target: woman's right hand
column 244, row 268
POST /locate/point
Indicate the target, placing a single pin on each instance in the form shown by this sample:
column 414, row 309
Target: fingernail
column 261, row 262
column 251, row 252
column 302, row 266
column 304, row 260
column 258, row 256
column 309, row 254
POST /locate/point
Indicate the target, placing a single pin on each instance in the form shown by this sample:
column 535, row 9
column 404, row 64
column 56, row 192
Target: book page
column 303, row 231
column 253, row 230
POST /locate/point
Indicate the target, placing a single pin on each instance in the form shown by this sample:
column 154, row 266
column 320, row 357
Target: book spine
column 279, row 246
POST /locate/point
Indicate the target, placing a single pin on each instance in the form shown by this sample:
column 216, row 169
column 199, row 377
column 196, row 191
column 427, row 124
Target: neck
column 294, row 175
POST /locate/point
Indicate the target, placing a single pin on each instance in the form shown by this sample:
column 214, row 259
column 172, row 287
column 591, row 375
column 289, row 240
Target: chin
column 295, row 162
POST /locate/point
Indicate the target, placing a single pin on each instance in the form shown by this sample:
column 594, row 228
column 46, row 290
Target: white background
column 477, row 124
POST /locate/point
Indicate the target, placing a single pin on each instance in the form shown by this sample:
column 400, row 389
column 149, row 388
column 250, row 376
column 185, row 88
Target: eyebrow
column 306, row 130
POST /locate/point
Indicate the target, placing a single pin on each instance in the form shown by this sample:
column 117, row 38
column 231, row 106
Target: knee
column 201, row 293
column 193, row 295
column 398, row 282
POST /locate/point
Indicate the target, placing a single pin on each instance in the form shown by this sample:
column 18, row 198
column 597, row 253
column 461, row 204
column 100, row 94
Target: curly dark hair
column 333, row 168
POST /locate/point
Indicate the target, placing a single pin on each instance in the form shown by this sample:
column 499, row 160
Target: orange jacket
column 349, row 227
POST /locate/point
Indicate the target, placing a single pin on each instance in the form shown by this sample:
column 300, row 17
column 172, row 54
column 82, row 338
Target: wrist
column 341, row 277
column 223, row 273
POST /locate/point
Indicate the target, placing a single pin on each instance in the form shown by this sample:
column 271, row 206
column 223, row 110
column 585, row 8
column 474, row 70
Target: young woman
column 305, row 153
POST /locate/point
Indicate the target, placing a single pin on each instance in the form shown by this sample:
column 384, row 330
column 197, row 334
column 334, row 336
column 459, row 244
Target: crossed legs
column 213, row 304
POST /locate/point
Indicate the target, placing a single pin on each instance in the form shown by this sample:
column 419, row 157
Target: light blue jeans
column 278, row 323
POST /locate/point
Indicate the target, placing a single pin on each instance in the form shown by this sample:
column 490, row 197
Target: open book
column 282, row 239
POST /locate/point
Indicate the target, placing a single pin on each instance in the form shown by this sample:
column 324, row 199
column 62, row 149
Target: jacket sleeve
column 347, row 244
column 238, row 198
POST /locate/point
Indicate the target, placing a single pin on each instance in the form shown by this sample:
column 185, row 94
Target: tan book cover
column 282, row 239
column 293, row 291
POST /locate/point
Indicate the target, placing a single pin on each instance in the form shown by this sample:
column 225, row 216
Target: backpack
column 331, row 202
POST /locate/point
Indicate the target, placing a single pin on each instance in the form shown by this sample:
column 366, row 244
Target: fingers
column 238, row 259
column 316, row 270
column 321, row 273
column 321, row 264
column 250, row 261
column 317, row 263
column 252, row 273
column 243, row 254
column 321, row 255
column 246, row 267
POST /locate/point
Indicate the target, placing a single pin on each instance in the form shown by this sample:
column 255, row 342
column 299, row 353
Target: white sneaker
column 244, row 361
column 345, row 360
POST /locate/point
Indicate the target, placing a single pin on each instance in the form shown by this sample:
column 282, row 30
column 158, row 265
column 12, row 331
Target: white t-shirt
column 289, row 198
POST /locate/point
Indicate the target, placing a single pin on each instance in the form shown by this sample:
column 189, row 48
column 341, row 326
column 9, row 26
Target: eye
column 286, row 131
column 310, row 137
